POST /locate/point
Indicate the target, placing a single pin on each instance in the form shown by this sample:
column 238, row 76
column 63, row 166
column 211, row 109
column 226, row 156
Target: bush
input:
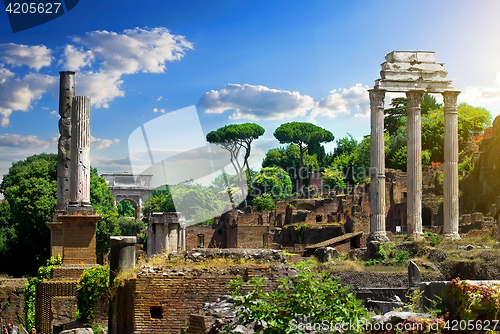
column 310, row 296
column 93, row 284
column 130, row 226
column 264, row 202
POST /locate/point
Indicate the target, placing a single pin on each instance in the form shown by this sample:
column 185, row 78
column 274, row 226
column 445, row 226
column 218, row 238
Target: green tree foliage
column 311, row 295
column 30, row 192
column 198, row 202
column 159, row 201
column 333, row 179
column 103, row 202
column 130, row 227
column 288, row 158
column 264, row 202
column 273, row 181
column 233, row 138
column 304, row 135
column 126, row 209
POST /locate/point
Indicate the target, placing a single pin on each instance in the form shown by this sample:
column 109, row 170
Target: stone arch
column 134, row 203
column 134, row 188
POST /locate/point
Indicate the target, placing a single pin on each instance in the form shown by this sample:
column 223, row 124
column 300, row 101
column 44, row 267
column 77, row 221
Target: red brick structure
column 157, row 303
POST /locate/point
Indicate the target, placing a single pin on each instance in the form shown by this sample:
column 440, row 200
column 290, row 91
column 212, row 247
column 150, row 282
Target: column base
column 377, row 236
column 415, row 236
column 452, row 236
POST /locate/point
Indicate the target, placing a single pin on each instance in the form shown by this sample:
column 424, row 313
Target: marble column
column 80, row 153
column 66, row 93
column 414, row 165
column 377, row 167
column 450, row 184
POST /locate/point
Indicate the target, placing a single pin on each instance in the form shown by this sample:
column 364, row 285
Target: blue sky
column 267, row 62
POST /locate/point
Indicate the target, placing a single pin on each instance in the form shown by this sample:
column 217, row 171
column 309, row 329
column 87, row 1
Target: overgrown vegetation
column 30, row 289
column 93, row 285
column 309, row 296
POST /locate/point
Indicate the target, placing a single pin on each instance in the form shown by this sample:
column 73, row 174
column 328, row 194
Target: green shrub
column 30, row 288
column 93, row 284
column 264, row 202
column 400, row 257
column 310, row 295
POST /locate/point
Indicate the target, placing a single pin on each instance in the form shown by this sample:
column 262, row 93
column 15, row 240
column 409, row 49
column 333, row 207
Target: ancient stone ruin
column 414, row 73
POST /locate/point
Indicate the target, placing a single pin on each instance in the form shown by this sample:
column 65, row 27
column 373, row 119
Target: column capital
column 450, row 100
column 414, row 97
column 377, row 97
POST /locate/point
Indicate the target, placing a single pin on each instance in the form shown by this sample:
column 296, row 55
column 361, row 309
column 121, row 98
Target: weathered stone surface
column 414, row 276
column 264, row 255
column 78, row 331
column 326, row 254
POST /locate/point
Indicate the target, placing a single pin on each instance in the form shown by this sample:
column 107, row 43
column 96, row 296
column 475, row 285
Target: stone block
column 326, row 254
column 476, row 216
column 414, row 275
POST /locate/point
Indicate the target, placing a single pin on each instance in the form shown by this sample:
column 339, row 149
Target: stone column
column 414, row 165
column 377, row 167
column 80, row 153
column 450, row 184
column 66, row 93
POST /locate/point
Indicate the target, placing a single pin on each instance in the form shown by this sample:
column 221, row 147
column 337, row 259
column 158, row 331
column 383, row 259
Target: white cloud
column 101, row 87
column 98, row 143
column 36, row 56
column 14, row 140
column 487, row 97
column 256, row 102
column 159, row 110
column 344, row 101
column 21, row 93
column 77, row 58
column 159, row 99
column 135, row 50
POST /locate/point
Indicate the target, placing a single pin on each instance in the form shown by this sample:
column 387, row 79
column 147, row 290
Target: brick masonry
column 156, row 303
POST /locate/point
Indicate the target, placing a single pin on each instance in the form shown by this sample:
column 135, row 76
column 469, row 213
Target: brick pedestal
column 79, row 232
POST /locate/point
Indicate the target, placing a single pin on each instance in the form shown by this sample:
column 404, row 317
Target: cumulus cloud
column 98, row 143
column 36, row 56
column 77, row 58
column 17, row 141
column 256, row 102
column 135, row 50
column 344, row 101
column 101, row 87
column 159, row 110
column 20, row 93
column 487, row 97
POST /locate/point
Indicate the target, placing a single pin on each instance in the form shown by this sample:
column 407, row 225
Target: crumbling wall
column 158, row 301
column 11, row 299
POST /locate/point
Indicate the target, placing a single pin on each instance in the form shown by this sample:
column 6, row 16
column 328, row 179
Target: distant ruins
column 414, row 73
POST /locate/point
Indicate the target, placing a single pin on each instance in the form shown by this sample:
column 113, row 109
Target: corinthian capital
column 450, row 99
column 377, row 97
column 414, row 98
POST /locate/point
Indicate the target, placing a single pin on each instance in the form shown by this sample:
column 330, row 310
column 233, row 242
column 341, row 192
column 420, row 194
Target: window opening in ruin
column 319, row 218
column 156, row 312
column 201, row 240
column 405, row 194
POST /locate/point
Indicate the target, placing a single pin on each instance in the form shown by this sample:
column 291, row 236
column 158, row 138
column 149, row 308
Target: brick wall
column 155, row 303
column 252, row 236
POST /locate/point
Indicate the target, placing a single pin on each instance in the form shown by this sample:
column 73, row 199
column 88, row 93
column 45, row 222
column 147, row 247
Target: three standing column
column 450, row 184
column 414, row 165
column 377, row 167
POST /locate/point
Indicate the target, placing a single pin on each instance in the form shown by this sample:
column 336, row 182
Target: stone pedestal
column 79, row 233
column 377, row 167
column 450, row 184
column 414, row 165
column 56, row 239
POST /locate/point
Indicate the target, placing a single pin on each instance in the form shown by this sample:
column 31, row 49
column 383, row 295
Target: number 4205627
column 32, row 8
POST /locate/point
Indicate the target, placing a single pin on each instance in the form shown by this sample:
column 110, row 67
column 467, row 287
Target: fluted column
column 450, row 185
column 66, row 93
column 414, row 165
column 80, row 153
column 377, row 167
